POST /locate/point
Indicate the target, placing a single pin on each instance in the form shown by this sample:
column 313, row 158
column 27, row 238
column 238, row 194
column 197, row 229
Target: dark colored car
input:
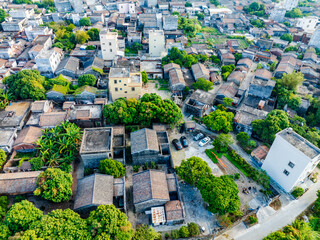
column 177, row 144
column 184, row 141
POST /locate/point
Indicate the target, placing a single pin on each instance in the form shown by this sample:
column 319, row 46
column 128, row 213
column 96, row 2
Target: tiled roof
column 28, row 135
column 144, row 139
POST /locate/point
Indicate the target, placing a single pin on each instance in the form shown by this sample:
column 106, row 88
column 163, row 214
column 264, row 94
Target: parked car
column 199, row 136
column 184, row 141
column 177, row 144
column 204, row 141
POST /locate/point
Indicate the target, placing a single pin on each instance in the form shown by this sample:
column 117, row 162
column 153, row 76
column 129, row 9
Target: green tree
column 297, row 192
column 87, row 79
column 294, row 13
column 58, row 45
column 85, row 21
column 258, row 23
column 203, row 84
column 243, row 138
column 26, row 84
column 3, row 15
column 255, row 8
column 145, row 233
column 287, row 37
column 192, row 169
column 275, row 121
column 3, row 157
column 184, row 232
column 227, row 102
column 144, row 77
column 59, row 224
column 291, row 81
column 200, row 16
column 219, row 121
column 21, row 215
column 5, row 232
column 188, row 4
column 313, row 114
column 112, row 167
column 107, row 222
column 215, row 2
column 237, row 56
column 193, row 229
column 81, row 37
column 222, row 142
column 94, row 34
column 54, row 185
column 221, row 193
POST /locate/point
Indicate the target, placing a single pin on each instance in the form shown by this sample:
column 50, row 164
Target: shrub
column 297, row 192
column 145, row 166
column 88, row 171
column 87, row 79
column 3, row 157
column 4, row 202
column 166, row 235
column 152, row 164
column 54, row 185
column 136, row 168
column 193, row 229
column 175, row 234
column 184, row 232
column 252, row 219
column 237, row 176
column 112, row 167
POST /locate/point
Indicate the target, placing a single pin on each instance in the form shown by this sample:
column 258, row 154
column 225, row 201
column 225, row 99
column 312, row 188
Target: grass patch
column 210, row 153
column 236, row 164
column 164, row 84
column 25, row 155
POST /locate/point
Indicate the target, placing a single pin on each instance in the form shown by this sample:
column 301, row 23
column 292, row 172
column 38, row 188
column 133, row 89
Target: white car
column 204, row 141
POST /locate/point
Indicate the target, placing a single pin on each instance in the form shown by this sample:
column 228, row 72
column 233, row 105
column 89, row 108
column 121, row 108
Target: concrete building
column 290, row 4
column 109, row 44
column 157, row 44
column 123, row 83
column 170, row 23
column 308, row 24
column 13, row 25
column 277, row 14
column 48, row 61
column 126, row 7
column 315, row 39
column 77, row 5
column 21, row 13
column 8, row 136
column 151, row 3
column 199, row 103
column 33, row 32
column 291, row 159
column 63, row 5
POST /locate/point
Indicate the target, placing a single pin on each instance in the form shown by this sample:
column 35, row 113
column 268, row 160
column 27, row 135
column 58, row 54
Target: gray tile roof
column 94, row 190
column 144, row 139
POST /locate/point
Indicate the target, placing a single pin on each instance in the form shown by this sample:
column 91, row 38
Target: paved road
column 278, row 220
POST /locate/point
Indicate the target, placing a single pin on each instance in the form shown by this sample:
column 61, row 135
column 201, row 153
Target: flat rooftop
column 119, row 72
column 300, row 143
column 96, row 140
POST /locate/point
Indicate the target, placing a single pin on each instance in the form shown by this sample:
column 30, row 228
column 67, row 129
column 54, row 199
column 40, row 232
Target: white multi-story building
column 48, row 61
column 151, row 3
column 308, row 24
column 315, row 39
column 77, row 5
column 157, row 45
column 291, row 159
column 126, row 7
column 290, row 4
column 109, row 44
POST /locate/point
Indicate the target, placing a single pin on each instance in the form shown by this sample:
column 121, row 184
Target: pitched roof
column 174, row 210
column 148, row 185
column 144, row 139
column 96, row 189
column 28, row 135
column 70, row 63
column 52, row 119
column 260, row 152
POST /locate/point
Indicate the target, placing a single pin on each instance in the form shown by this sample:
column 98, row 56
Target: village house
column 15, row 115
column 200, row 71
column 200, row 103
column 8, row 136
column 26, row 139
column 86, row 115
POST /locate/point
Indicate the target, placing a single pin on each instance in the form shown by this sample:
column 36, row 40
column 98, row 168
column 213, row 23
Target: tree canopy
column 148, row 109
column 144, row 77
column 87, row 79
column 26, row 84
column 112, row 167
column 21, row 215
column 291, row 81
column 313, row 114
column 275, row 121
column 85, row 21
column 192, row 169
column 94, row 34
column 189, row 26
column 255, row 8
column 287, row 37
column 54, row 185
column 222, row 142
column 219, row 121
column 203, row 84
column 81, row 37
column 182, row 58
column 145, row 233
column 107, row 222
column 294, row 13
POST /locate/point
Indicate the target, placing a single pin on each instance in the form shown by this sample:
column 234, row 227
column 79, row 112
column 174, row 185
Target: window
column 116, row 89
column 286, row 172
column 120, row 89
column 109, row 43
column 125, row 84
column 110, row 50
column 125, row 91
column 291, row 164
column 132, row 89
column 119, row 80
column 103, row 43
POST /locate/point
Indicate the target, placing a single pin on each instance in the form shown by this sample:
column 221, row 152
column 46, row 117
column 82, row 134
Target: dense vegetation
column 221, row 193
column 203, row 84
column 54, row 185
column 255, row 8
column 148, row 109
column 58, row 147
column 87, row 79
column 219, row 120
column 112, row 167
column 25, row 221
column 294, row 13
column 182, row 58
column 189, row 26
